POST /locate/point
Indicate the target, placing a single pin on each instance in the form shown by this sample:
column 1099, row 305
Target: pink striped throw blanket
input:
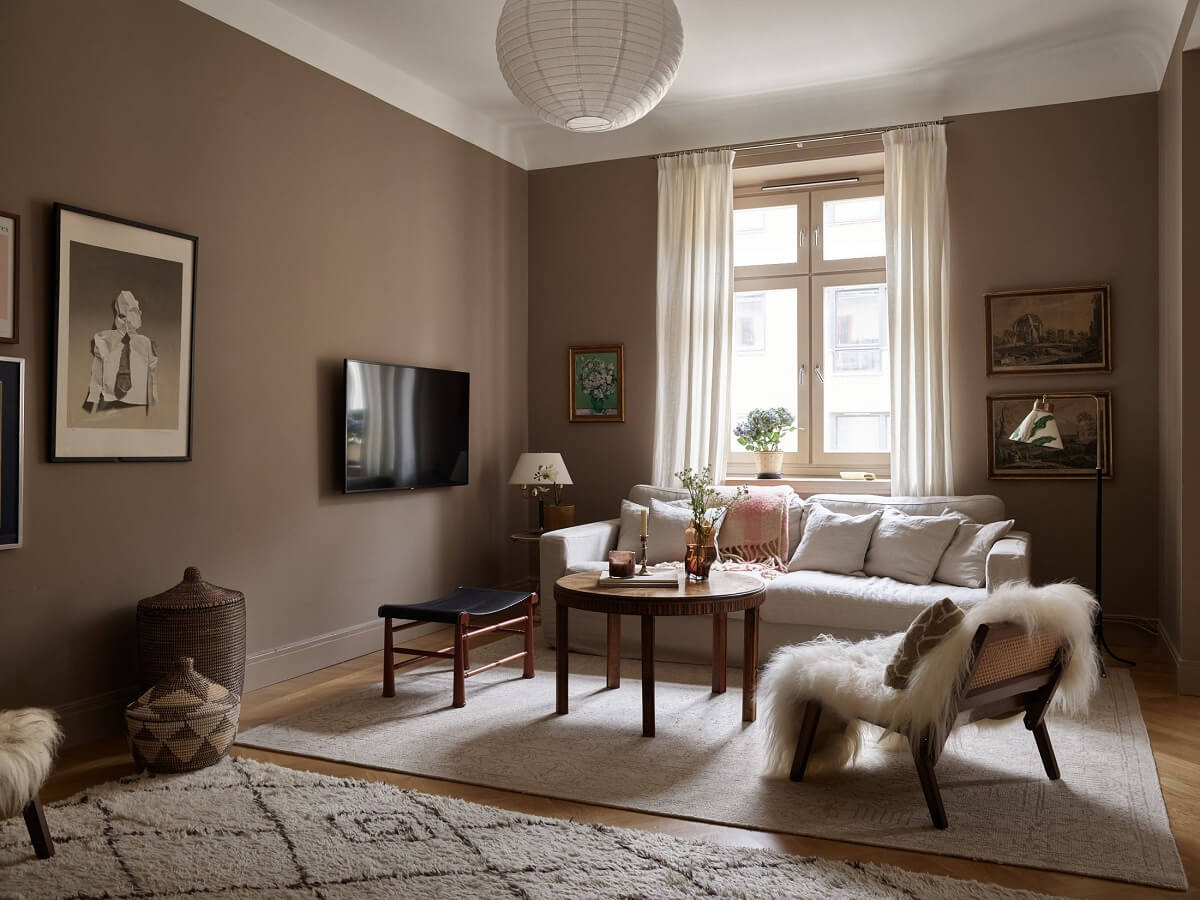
column 756, row 530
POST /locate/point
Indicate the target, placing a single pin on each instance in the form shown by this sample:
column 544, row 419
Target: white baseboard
column 1186, row 671
column 99, row 716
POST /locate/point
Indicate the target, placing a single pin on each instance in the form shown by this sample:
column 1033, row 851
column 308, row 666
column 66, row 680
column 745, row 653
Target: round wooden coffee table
column 721, row 594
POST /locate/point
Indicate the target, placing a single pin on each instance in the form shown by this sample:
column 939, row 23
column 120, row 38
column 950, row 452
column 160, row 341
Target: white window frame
column 817, row 215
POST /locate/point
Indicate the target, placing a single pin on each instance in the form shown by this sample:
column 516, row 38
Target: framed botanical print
column 12, row 445
column 125, row 306
column 596, row 383
column 1076, row 416
column 1049, row 331
column 10, row 283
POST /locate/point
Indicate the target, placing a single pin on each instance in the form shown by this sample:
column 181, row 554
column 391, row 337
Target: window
column 811, row 324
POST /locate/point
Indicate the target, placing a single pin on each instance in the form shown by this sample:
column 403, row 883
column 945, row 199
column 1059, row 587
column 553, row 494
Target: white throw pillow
column 908, row 548
column 629, row 537
column 668, row 522
column 833, row 542
column 965, row 561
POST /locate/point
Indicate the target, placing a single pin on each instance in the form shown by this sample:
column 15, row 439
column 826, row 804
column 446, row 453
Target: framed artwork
column 12, row 443
column 10, row 264
column 124, row 316
column 1049, row 331
column 597, row 383
column 1075, row 414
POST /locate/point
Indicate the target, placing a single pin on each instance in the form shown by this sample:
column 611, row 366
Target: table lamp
column 540, row 475
column 1040, row 429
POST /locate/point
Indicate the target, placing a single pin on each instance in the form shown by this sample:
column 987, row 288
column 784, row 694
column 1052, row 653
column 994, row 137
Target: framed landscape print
column 1050, row 331
column 597, row 383
column 1075, row 414
column 12, row 444
column 10, row 262
column 125, row 305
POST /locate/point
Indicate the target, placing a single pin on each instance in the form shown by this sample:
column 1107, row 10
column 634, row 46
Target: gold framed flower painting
column 596, row 383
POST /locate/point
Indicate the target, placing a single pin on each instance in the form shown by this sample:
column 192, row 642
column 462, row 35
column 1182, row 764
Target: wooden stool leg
column 460, row 659
column 924, row 758
column 808, row 732
column 1046, row 749
column 39, row 831
column 389, row 660
column 530, row 603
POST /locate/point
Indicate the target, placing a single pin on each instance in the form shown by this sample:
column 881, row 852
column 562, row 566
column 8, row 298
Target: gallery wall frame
column 1049, row 331
column 596, row 383
column 1074, row 411
column 124, row 315
column 10, row 277
column 12, row 452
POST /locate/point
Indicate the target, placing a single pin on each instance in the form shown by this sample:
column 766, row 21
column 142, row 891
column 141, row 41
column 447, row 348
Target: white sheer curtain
column 914, row 175
column 695, row 312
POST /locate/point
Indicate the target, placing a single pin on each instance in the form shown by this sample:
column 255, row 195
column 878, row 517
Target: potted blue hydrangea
column 761, row 432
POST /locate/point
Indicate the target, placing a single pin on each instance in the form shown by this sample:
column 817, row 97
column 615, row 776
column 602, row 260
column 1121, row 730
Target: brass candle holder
column 643, row 570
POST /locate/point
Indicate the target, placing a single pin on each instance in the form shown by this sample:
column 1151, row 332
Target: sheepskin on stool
column 846, row 679
column 28, row 741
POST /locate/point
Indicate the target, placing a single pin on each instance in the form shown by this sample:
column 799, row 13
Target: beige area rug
column 1104, row 818
column 244, row 829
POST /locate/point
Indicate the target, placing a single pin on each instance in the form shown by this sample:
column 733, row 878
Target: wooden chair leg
column 530, row 603
column 1042, row 736
column 39, row 831
column 460, row 659
column 389, row 660
column 808, row 732
column 925, row 759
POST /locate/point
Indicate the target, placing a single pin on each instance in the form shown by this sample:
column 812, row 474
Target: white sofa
column 799, row 605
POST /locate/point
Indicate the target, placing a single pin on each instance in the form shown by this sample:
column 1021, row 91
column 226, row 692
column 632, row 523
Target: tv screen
column 406, row 427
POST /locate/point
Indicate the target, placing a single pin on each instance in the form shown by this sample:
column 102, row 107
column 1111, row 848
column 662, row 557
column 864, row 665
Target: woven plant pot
column 196, row 619
column 183, row 723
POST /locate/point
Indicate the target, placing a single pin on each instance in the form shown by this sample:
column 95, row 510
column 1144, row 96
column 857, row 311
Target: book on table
column 656, row 578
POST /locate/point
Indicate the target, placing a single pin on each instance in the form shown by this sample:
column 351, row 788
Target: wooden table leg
column 560, row 667
column 720, row 635
column 614, row 650
column 750, row 666
column 647, row 676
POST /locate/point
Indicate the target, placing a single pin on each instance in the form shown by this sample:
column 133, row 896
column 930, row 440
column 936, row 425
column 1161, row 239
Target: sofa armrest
column 559, row 550
column 1009, row 559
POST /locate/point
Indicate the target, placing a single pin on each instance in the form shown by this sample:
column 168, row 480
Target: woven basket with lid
column 183, row 723
column 196, row 619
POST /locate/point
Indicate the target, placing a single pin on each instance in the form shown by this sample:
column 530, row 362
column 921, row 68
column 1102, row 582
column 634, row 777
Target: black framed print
column 12, row 445
column 10, row 264
column 125, row 309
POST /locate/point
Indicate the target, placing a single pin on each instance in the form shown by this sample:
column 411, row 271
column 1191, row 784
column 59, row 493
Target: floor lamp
column 1040, row 429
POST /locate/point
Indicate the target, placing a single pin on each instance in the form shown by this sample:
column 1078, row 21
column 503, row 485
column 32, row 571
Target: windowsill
column 807, row 485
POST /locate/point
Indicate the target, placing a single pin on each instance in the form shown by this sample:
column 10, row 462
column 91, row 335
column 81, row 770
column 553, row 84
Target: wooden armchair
column 1009, row 672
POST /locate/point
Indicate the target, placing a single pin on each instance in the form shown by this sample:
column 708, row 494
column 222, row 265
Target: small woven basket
column 196, row 619
column 183, row 723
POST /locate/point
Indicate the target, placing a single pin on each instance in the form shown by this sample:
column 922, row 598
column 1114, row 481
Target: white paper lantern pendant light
column 589, row 65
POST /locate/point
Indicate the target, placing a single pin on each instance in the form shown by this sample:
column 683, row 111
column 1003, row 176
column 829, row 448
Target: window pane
column 764, row 236
column 853, row 228
column 857, row 387
column 764, row 356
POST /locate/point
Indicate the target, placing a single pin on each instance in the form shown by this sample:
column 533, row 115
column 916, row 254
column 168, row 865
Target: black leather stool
column 457, row 609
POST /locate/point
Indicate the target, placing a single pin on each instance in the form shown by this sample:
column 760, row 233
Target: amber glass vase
column 699, row 561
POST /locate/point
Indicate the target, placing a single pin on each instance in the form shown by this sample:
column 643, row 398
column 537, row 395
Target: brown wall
column 1045, row 196
column 330, row 225
column 1188, row 485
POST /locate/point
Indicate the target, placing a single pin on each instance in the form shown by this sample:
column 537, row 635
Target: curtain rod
column 806, row 139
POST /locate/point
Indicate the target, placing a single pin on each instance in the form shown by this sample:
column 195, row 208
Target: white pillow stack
column 908, row 548
column 965, row 561
column 833, row 542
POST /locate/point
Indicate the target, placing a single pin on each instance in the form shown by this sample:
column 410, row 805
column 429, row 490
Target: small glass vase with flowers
column 708, row 506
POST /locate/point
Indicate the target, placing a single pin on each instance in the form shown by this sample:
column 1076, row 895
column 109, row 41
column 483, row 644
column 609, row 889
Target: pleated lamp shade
column 589, row 65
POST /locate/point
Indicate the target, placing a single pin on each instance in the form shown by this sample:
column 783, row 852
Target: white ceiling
column 751, row 70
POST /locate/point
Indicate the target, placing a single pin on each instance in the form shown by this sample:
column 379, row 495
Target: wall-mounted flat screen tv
column 406, row 427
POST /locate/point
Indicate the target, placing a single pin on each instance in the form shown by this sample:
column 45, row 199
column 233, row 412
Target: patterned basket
column 183, row 723
column 196, row 619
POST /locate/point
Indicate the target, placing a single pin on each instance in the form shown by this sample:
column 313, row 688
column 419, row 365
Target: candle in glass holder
column 620, row 563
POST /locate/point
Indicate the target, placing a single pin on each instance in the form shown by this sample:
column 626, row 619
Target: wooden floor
column 1173, row 723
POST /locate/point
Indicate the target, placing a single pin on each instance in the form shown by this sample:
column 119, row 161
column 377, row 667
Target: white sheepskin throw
column 846, row 678
column 28, row 741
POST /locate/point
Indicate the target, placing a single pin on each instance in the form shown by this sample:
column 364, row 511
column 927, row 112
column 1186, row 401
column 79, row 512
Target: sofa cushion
column 908, row 548
column 980, row 507
column 833, row 542
column 965, row 561
column 630, row 535
column 928, row 629
column 668, row 522
column 845, row 602
column 796, row 509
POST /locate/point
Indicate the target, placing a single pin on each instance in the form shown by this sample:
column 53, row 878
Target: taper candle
column 645, row 522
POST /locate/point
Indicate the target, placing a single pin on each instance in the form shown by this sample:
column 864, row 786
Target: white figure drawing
column 123, row 361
